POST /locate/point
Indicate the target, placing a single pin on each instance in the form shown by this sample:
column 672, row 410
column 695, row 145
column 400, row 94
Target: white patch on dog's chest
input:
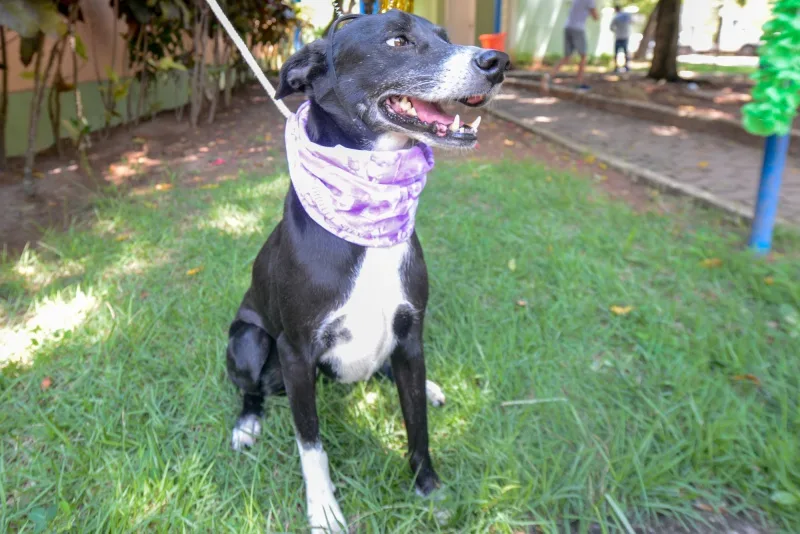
column 365, row 323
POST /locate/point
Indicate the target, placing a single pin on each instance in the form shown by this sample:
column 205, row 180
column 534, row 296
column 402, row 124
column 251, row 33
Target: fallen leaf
column 548, row 179
column 769, row 280
column 37, row 174
column 703, row 164
column 704, row 507
column 509, row 142
column 192, row 272
column 512, row 265
column 602, row 165
column 522, row 303
column 621, row 310
column 711, row 263
column 151, row 205
column 600, row 177
column 139, row 140
column 218, row 161
column 164, row 187
column 749, row 378
column 591, row 158
column 46, row 383
column 549, row 249
column 209, row 186
column 123, row 237
column 268, row 137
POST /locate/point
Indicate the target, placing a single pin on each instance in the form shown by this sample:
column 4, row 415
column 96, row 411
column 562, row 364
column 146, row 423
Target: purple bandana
column 366, row 197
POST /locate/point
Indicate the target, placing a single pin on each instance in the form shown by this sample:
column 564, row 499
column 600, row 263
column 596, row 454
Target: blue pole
column 498, row 11
column 375, row 8
column 775, row 150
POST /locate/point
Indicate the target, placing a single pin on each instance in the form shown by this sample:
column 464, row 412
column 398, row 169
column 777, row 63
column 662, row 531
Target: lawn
column 655, row 364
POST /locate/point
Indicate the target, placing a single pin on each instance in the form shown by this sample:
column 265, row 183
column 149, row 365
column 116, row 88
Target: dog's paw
column 434, row 393
column 324, row 514
column 245, row 432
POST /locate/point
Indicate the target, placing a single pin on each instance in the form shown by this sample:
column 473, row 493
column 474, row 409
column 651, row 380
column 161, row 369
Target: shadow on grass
column 688, row 397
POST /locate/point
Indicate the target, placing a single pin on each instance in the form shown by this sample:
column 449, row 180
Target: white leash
column 248, row 57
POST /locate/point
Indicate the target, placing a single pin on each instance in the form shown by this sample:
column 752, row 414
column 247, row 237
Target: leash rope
column 248, row 57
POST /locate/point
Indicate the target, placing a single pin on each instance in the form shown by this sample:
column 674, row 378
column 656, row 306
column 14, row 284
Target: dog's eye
column 397, row 41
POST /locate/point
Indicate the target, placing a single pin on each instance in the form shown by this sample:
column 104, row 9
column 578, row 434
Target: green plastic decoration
column 776, row 95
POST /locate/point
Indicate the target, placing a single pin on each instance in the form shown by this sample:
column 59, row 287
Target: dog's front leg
column 299, row 376
column 408, row 368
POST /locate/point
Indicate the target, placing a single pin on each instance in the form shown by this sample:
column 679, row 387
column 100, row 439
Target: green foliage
column 776, row 95
column 30, row 17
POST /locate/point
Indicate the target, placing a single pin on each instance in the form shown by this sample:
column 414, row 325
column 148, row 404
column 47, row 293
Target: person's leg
column 581, row 69
column 627, row 55
column 617, row 49
column 569, row 47
column 579, row 39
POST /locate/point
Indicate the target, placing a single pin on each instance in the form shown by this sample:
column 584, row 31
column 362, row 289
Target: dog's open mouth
column 415, row 114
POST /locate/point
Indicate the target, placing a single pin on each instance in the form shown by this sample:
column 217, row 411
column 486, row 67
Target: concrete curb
column 659, row 181
column 728, row 128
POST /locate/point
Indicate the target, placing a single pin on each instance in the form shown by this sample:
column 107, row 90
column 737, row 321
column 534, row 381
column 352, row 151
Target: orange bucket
column 494, row 41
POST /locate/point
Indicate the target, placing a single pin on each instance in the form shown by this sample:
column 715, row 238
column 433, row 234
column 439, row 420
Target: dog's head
column 393, row 72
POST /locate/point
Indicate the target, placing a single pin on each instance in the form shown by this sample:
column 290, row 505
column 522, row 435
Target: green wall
column 433, row 10
column 484, row 18
column 168, row 95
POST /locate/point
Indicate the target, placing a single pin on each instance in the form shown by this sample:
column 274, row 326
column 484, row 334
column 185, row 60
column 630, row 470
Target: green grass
column 636, row 415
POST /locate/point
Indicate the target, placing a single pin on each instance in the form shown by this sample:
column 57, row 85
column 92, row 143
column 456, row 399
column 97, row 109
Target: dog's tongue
column 428, row 112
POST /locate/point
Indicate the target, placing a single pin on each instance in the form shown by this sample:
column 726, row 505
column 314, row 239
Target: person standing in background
column 621, row 26
column 574, row 39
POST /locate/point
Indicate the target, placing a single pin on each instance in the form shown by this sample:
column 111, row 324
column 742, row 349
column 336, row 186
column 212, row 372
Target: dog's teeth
column 475, row 124
column 405, row 105
column 411, row 111
column 456, row 124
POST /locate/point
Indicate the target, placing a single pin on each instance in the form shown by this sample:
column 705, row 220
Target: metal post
column 498, row 12
column 775, row 150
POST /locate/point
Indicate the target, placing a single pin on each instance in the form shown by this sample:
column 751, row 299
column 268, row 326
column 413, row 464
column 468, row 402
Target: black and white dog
column 318, row 302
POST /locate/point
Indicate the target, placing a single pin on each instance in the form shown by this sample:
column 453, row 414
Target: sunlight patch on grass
column 233, row 220
column 49, row 319
column 37, row 273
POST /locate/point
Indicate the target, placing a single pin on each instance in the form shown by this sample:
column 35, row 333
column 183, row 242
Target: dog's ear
column 300, row 70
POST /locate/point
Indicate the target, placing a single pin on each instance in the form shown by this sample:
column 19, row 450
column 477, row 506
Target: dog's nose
column 493, row 64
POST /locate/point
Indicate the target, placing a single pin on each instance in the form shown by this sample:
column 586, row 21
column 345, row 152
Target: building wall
column 484, row 18
column 535, row 27
column 433, row 10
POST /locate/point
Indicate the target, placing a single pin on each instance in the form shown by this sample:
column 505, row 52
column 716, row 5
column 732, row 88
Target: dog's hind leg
column 433, row 391
column 254, row 368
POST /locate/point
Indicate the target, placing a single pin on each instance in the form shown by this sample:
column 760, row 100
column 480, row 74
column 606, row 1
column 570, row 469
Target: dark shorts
column 621, row 45
column 574, row 41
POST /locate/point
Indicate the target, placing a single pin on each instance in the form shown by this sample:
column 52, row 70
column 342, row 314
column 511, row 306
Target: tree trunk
column 647, row 35
column 665, row 55
column 718, row 30
column 54, row 97
column 199, row 71
column 214, row 80
column 39, row 83
column 83, row 141
column 3, row 98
